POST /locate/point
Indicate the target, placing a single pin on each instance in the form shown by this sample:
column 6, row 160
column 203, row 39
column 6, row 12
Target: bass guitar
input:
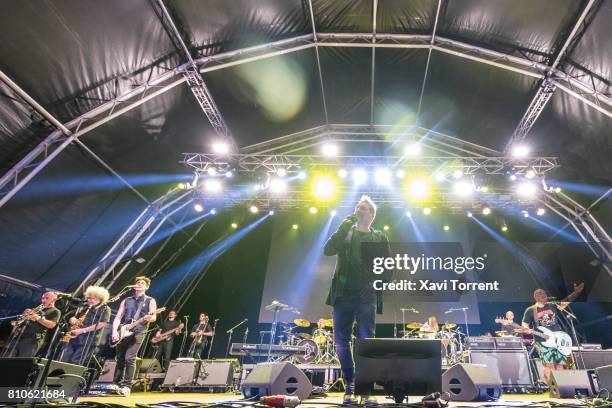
column 166, row 335
column 558, row 340
column 126, row 330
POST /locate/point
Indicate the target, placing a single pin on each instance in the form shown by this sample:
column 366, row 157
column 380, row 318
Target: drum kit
column 451, row 338
column 319, row 344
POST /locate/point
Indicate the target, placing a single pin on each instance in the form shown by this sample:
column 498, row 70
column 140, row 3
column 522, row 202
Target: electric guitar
column 166, row 335
column 125, row 330
column 552, row 339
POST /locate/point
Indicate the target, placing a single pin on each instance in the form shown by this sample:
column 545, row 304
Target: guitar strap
column 138, row 310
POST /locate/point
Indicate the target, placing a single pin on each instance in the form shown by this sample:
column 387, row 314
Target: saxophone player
column 200, row 333
column 34, row 327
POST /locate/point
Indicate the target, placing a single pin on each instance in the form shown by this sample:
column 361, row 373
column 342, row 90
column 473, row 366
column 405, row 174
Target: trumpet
column 26, row 314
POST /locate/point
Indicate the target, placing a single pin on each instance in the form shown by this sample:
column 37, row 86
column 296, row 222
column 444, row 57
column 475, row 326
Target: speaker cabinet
column 215, row 373
column 590, row 359
column 181, row 373
column 276, row 378
column 108, row 370
column 569, row 383
column 471, row 382
column 27, row 372
column 510, row 367
column 604, row 377
column 150, row 366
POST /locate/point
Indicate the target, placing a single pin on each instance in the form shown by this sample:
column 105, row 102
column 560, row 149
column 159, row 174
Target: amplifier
column 511, row 367
column 509, row 343
column 481, row 343
column 592, row 359
column 200, row 374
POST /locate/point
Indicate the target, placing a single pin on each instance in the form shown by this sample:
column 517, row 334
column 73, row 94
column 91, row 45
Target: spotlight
column 271, row 212
column 525, row 213
column 342, row 173
column 504, row 228
column 182, row 186
column 400, row 174
column 484, row 189
column 213, row 186
column 281, row 172
column 486, row 211
column 213, row 211
column 329, row 149
column 295, row 226
column 418, row 189
column 557, row 189
column 278, row 186
column 333, row 213
column 359, row 176
column 198, row 207
column 254, row 209
column 440, row 177
column 413, row 149
column 229, row 174
column 220, row 148
column 386, row 228
column 211, row 171
column 526, row 189
column 234, row 225
column 457, row 174
column 520, row 151
column 257, row 187
column 446, row 228
column 541, row 211
column 324, row 188
column 426, row 210
column 313, row 210
column 530, row 174
column 382, row 177
column 463, row 188
column 301, row 175
column 408, row 214
column 513, row 177
column 469, row 214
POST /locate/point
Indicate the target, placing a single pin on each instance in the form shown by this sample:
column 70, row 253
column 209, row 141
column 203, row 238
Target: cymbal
column 449, row 325
column 328, row 323
column 305, row 336
column 414, row 326
column 426, row 332
column 501, row 333
column 301, row 322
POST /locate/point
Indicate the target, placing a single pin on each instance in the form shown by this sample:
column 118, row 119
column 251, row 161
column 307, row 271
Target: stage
column 332, row 399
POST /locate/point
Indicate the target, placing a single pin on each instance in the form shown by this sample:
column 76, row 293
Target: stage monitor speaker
column 590, row 359
column 571, row 383
column 604, row 377
column 471, row 382
column 27, row 372
column 181, row 373
column 150, row 366
column 510, row 367
column 276, row 379
column 215, row 373
column 108, row 370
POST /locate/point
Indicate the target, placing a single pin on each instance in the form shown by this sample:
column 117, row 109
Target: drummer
column 321, row 324
column 430, row 329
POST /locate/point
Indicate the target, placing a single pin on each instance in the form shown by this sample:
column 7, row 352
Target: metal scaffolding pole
column 314, row 33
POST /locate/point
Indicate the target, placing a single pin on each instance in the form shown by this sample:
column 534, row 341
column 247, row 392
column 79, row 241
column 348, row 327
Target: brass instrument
column 24, row 317
column 200, row 337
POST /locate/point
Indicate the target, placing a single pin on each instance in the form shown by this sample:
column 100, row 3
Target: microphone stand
column 231, row 332
column 184, row 336
column 212, row 339
column 570, row 317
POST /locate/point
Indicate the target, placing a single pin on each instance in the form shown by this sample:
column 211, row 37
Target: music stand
column 275, row 307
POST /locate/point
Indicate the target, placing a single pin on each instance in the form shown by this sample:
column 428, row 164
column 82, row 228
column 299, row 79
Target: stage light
column 440, row 177
column 213, row 186
column 419, row 189
column 400, row 174
column 520, row 151
column 278, row 186
column 530, row 174
column 342, row 173
column 213, row 211
column 198, row 207
column 457, row 174
column 333, row 213
column 526, row 189
column 484, row 189
column 504, row 228
column 281, row 172
column 408, row 214
column 329, row 149
column 271, row 212
column 295, row 226
column 463, row 188
column 359, row 176
column 229, row 174
column 525, row 213
column 469, row 214
column 386, row 228
column 513, row 177
column 220, row 148
column 446, row 228
column 382, row 177
column 254, row 209
column 486, row 211
column 541, row 211
column 234, row 225
column 324, row 188
column 211, row 171
column 426, row 210
column 301, row 175
column 182, row 186
column 313, row 210
column 413, row 149
column 557, row 189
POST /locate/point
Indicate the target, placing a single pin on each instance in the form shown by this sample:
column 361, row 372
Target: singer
column 352, row 294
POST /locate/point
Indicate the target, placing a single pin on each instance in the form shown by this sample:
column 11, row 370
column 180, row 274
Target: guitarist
column 546, row 314
column 132, row 308
column 86, row 328
column 173, row 327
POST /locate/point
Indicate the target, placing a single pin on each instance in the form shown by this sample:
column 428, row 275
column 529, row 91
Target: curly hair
column 98, row 292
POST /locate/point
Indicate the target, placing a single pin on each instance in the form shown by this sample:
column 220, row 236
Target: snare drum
column 312, row 351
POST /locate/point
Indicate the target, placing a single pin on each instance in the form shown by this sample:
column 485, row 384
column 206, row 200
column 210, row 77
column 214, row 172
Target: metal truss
column 584, row 223
column 116, row 260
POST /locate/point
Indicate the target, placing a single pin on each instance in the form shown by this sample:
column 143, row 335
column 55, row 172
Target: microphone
column 130, row 286
column 449, row 311
column 216, row 320
column 352, row 218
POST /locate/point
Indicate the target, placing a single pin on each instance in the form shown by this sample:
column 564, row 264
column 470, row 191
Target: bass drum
column 312, row 351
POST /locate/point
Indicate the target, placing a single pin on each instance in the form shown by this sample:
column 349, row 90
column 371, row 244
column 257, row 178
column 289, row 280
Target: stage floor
column 333, row 399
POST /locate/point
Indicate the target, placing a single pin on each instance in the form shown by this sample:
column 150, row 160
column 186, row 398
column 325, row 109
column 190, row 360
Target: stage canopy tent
column 460, row 67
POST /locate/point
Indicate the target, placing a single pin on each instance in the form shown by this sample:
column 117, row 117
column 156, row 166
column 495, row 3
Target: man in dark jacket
column 352, row 293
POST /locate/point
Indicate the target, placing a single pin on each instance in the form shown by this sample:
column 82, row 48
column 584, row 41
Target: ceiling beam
column 373, row 65
column 432, row 42
column 314, row 34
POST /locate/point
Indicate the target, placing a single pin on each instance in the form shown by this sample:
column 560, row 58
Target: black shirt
column 99, row 314
column 204, row 327
column 546, row 316
column 131, row 306
column 35, row 329
column 168, row 325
